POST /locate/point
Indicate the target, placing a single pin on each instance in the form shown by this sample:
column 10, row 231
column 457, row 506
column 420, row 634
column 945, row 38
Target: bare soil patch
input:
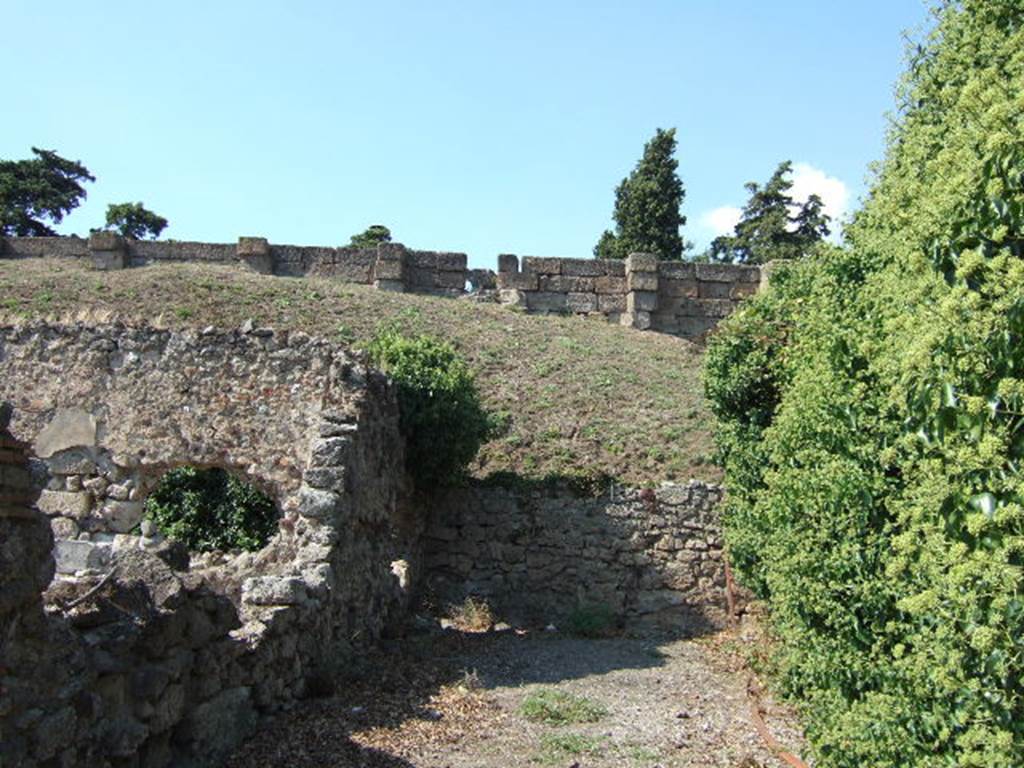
column 455, row 700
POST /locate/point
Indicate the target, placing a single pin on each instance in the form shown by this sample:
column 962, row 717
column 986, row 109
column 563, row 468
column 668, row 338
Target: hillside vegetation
column 577, row 396
column 871, row 418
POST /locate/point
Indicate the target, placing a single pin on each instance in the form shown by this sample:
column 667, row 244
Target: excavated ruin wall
column 143, row 660
column 543, row 553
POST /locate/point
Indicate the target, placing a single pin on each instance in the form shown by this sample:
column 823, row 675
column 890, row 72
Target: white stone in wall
column 69, row 428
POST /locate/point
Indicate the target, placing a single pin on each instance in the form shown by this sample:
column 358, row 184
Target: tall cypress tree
column 773, row 226
column 647, row 205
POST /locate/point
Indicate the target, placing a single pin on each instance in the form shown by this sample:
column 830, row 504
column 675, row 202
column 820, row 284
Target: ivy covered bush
column 870, row 411
column 442, row 418
column 209, row 509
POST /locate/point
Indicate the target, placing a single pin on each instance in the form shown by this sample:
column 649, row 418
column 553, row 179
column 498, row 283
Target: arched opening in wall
column 209, row 510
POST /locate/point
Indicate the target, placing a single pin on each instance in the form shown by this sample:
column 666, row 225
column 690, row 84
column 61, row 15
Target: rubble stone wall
column 541, row 553
column 135, row 656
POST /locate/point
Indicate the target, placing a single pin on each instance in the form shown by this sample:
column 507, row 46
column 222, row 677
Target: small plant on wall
column 209, row 509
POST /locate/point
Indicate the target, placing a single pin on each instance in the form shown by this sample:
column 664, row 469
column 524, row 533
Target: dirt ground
column 453, row 700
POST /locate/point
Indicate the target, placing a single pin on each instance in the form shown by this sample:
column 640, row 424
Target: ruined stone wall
column 135, row 656
column 675, row 297
column 540, row 553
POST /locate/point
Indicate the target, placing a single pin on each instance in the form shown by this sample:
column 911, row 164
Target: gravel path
column 452, row 700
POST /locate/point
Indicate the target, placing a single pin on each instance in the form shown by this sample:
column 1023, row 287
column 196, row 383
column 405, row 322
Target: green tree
column 647, row 205
column 372, row 236
column 135, row 221
column 46, row 187
column 773, row 226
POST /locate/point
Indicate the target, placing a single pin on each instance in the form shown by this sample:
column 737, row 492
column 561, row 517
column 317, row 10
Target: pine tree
column 773, row 226
column 647, row 205
column 45, row 187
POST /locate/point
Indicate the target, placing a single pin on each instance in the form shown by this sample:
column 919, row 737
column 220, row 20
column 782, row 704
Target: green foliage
column 647, row 205
column 442, row 418
column 134, row 220
column 871, row 426
column 371, row 236
column 553, row 707
column 44, row 187
column 773, row 227
column 209, row 509
column 590, row 620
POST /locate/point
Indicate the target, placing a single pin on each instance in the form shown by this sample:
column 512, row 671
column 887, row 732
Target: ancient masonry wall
column 135, row 656
column 678, row 298
column 675, row 297
column 539, row 554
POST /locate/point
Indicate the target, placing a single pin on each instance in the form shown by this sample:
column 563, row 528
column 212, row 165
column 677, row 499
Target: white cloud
column 808, row 180
column 721, row 221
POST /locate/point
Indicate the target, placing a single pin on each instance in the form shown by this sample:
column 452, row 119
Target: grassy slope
column 581, row 394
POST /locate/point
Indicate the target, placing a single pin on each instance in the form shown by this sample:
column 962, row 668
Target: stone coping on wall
column 675, row 297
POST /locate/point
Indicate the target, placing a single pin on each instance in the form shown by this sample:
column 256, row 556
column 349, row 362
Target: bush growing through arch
column 210, row 509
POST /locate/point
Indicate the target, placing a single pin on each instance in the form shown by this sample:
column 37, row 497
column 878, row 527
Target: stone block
column 565, row 284
column 665, row 322
column 74, row 556
column 122, row 516
column 64, row 503
column 583, row 267
column 512, row 297
column 614, row 267
column 520, row 281
column 274, row 590
column 214, row 728
column 69, row 428
column 392, row 252
column 254, row 253
column 678, row 288
column 104, row 240
column 692, row 327
column 582, row 303
column 317, row 504
column 108, row 251
column 720, row 273
column 610, row 285
column 542, row 265
column 677, row 270
column 611, row 303
column 641, row 281
column 508, row 262
column 639, row 320
column 715, row 290
column 545, row 301
column 716, row 307
column 641, row 301
column 388, row 270
column 450, row 280
column 451, row 262
column 641, row 262
column 330, row 452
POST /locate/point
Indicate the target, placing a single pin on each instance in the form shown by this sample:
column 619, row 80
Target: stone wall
column 540, row 553
column 136, row 656
column 679, row 298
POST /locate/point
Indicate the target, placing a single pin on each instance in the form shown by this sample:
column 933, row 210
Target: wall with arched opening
column 132, row 655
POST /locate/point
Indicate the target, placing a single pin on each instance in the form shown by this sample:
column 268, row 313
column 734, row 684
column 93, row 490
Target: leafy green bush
column 441, row 415
column 871, row 426
column 209, row 509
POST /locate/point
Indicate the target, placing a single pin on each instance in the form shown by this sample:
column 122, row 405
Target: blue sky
column 483, row 127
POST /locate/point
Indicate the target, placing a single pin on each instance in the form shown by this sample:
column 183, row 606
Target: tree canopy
column 373, row 235
column 135, row 221
column 648, row 205
column 773, row 226
column 40, row 189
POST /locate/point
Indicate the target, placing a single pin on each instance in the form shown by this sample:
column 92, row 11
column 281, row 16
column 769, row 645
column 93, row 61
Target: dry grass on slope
column 579, row 395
